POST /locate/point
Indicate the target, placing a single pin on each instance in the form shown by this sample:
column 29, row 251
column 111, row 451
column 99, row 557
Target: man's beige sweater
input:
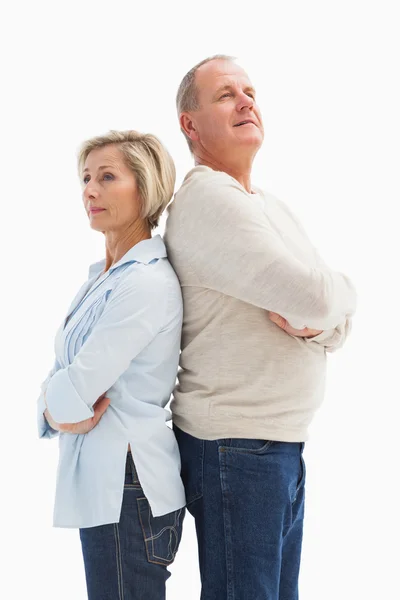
column 238, row 256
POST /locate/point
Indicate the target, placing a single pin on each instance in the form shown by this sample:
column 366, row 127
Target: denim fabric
column 247, row 497
column 128, row 560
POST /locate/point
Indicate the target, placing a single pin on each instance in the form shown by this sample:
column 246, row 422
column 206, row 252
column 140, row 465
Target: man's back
column 240, row 375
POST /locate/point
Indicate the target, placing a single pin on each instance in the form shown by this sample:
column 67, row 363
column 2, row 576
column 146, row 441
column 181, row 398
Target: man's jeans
column 128, row 560
column 247, row 498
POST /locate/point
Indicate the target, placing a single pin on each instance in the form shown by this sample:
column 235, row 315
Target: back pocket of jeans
column 162, row 535
column 246, row 446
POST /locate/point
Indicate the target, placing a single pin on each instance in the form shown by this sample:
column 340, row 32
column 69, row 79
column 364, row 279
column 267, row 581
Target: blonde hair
column 187, row 98
column 149, row 161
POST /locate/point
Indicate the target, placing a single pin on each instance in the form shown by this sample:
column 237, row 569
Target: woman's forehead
column 107, row 155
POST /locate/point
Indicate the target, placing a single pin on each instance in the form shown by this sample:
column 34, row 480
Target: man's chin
column 251, row 141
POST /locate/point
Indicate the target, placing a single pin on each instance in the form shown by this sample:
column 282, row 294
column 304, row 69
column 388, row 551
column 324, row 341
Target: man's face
column 229, row 121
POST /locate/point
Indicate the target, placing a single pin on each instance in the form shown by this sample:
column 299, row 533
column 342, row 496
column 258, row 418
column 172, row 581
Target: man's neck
column 241, row 172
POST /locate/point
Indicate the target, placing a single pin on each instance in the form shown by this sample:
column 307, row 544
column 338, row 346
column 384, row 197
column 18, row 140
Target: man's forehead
column 222, row 72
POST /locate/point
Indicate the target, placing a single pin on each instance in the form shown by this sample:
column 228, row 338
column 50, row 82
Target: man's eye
column 225, row 95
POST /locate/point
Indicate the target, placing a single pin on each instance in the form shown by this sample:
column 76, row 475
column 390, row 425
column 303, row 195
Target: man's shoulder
column 202, row 179
column 202, row 173
column 267, row 196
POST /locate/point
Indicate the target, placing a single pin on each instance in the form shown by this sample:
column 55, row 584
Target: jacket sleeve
column 135, row 312
column 44, row 429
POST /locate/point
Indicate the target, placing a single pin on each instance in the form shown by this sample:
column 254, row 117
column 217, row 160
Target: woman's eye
column 108, row 176
column 86, row 179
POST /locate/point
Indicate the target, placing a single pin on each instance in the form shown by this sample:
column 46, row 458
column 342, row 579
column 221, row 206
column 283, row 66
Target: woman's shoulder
column 156, row 278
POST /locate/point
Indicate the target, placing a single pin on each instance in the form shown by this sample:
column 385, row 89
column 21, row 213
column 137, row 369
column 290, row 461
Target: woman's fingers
column 99, row 409
column 50, row 420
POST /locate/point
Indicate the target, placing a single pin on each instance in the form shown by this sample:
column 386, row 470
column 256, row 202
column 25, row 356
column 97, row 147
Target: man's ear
column 188, row 126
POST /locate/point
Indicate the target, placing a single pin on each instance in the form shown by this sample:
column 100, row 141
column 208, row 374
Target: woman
column 116, row 362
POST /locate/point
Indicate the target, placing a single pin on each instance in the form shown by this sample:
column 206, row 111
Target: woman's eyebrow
column 102, row 167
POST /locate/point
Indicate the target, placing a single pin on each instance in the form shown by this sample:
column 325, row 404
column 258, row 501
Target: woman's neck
column 117, row 245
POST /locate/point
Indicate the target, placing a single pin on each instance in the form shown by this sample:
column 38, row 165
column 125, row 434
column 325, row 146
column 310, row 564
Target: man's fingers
column 278, row 320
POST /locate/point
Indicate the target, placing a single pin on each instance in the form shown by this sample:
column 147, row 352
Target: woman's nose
column 90, row 191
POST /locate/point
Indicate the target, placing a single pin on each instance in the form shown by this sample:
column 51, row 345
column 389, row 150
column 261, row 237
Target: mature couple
column 240, row 298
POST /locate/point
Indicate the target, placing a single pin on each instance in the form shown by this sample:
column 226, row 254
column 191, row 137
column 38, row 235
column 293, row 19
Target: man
column 261, row 310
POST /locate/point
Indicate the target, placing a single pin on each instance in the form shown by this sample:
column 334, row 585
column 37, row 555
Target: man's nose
column 245, row 101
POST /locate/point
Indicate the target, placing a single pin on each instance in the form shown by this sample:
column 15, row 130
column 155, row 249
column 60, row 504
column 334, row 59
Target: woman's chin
column 96, row 227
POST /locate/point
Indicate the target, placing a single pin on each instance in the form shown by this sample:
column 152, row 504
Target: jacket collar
column 142, row 252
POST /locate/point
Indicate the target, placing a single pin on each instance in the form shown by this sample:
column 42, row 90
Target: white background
column 327, row 76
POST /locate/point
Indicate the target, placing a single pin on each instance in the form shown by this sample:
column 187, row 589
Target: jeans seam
column 302, row 478
column 227, row 530
column 201, row 474
column 202, row 468
column 119, row 562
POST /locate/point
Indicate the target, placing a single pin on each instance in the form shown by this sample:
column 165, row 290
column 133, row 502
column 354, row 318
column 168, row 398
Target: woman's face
column 110, row 193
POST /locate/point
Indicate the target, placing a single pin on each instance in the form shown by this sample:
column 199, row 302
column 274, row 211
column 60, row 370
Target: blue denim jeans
column 128, row 560
column 247, row 498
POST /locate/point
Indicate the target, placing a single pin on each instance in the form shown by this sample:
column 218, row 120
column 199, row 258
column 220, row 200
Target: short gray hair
column 187, row 98
column 150, row 162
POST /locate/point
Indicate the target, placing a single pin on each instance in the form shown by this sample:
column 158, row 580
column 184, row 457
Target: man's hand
column 283, row 324
column 99, row 407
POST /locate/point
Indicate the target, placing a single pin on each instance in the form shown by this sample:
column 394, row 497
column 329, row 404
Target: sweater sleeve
column 334, row 338
column 234, row 249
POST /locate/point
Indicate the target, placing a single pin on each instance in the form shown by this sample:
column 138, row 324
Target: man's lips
column 245, row 122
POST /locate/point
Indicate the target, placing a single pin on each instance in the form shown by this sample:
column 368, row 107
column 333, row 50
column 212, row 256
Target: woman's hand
column 99, row 407
column 283, row 324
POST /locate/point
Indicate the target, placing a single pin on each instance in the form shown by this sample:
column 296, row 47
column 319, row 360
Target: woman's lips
column 94, row 211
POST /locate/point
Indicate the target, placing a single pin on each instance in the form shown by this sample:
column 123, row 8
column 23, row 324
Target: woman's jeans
column 247, row 498
column 128, row 560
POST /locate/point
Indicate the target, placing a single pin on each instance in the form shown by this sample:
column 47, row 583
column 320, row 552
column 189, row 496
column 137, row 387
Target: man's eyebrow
column 102, row 167
column 229, row 86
